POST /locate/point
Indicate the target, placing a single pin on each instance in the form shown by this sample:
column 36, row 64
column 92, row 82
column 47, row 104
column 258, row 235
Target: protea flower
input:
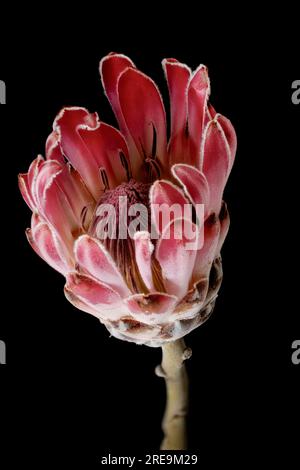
column 145, row 289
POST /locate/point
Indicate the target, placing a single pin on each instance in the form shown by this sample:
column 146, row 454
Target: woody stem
column 174, row 372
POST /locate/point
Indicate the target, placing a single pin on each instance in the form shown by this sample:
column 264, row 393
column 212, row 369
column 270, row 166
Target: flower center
column 133, row 191
column 120, row 212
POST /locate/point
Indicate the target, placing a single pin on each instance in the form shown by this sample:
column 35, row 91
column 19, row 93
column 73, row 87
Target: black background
column 69, row 392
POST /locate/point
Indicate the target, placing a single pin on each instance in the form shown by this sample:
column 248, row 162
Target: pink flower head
column 151, row 287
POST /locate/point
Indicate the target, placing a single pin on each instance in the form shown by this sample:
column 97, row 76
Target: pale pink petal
column 211, row 112
column 230, row 137
column 80, row 200
column 167, row 203
column 83, row 306
column 53, row 148
column 225, row 222
column 143, row 255
column 198, row 93
column 46, row 174
column 63, row 179
column 208, row 252
column 36, row 219
column 176, row 253
column 215, row 162
column 25, row 190
column 144, row 114
column 55, row 203
column 178, row 76
column 194, row 184
column 33, row 172
column 96, row 294
column 44, row 241
column 111, row 67
column 151, row 308
column 27, row 182
column 91, row 255
column 110, row 152
column 67, row 125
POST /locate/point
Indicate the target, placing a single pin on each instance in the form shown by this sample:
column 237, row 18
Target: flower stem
column 174, row 372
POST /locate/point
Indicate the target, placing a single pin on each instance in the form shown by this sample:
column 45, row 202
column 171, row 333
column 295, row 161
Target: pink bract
column 143, row 290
